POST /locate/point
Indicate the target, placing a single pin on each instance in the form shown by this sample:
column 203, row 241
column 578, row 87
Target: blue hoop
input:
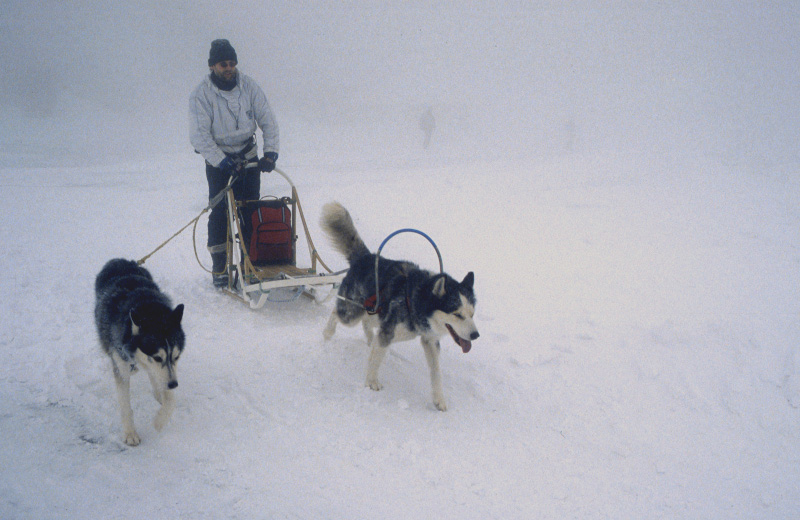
column 378, row 257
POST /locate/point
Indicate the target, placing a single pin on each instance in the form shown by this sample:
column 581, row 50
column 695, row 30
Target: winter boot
column 219, row 275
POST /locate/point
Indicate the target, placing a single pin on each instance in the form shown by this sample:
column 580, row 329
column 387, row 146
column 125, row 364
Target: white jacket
column 224, row 121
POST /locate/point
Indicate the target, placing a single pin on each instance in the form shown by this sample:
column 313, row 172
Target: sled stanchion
column 378, row 257
column 311, row 247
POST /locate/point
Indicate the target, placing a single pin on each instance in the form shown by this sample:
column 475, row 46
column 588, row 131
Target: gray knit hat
column 221, row 50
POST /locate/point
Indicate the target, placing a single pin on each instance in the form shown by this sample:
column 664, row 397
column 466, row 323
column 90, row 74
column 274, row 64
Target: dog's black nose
column 474, row 336
column 173, row 385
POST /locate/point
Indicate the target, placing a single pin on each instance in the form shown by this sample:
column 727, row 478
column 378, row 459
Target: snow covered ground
column 630, row 209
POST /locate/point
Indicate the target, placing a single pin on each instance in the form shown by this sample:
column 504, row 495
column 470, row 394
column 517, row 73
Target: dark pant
column 247, row 187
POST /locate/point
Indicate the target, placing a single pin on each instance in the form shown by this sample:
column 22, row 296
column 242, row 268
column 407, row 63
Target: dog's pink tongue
column 461, row 342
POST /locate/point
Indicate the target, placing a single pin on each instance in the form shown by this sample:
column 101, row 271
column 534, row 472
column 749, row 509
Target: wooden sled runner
column 262, row 252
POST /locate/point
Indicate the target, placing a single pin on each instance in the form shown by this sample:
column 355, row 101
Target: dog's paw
column 162, row 418
column 440, row 403
column 132, row 438
column 330, row 328
column 374, row 384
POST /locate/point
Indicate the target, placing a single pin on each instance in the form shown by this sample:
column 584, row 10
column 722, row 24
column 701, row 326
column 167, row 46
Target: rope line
column 211, row 203
column 193, row 221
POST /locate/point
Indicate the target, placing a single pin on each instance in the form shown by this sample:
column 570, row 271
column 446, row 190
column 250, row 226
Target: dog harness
column 371, row 304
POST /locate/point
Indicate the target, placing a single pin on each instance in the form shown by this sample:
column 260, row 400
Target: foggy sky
column 503, row 79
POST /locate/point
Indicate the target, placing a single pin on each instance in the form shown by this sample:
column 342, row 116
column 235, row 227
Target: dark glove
column 267, row 163
column 227, row 165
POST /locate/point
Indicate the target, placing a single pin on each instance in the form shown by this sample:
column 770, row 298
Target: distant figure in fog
column 427, row 123
column 225, row 110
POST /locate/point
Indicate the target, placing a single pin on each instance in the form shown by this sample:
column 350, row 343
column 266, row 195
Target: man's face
column 224, row 70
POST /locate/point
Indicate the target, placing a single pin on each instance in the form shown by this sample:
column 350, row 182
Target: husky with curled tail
column 138, row 327
column 412, row 302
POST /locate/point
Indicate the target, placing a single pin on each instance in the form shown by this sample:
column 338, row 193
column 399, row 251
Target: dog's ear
column 468, row 280
column 439, row 287
column 134, row 319
column 177, row 315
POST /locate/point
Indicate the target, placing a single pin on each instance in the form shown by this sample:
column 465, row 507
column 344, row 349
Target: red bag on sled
column 271, row 237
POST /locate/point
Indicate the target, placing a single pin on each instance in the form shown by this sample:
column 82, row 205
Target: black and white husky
column 137, row 326
column 412, row 302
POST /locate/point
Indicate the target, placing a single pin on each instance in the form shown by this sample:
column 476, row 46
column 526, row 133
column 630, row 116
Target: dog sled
column 262, row 252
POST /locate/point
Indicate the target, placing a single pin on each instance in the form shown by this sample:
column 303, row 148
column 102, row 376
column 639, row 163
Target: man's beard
column 222, row 83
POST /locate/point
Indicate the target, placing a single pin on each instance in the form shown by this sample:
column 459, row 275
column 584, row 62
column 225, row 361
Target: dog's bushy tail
column 338, row 224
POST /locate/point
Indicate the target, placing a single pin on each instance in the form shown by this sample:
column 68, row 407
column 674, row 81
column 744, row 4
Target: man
column 224, row 111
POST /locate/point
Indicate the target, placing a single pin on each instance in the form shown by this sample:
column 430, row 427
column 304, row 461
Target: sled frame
column 256, row 285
